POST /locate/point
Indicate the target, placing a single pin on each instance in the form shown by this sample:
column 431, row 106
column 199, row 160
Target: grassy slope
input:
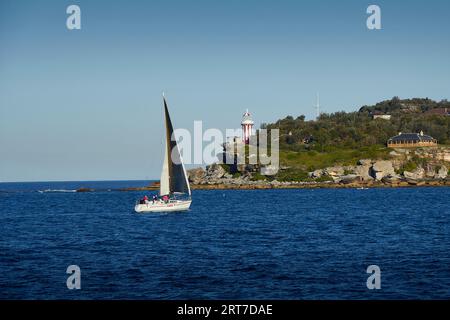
column 300, row 163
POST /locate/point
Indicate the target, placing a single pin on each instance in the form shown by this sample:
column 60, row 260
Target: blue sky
column 86, row 104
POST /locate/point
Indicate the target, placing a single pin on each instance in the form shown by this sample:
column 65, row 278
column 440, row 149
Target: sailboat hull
column 159, row 206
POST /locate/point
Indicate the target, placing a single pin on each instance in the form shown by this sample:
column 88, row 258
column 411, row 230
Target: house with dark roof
column 380, row 115
column 411, row 140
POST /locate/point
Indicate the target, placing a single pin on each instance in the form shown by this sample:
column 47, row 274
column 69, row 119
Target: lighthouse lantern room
column 247, row 127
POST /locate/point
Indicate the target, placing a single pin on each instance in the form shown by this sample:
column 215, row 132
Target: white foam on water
column 56, row 190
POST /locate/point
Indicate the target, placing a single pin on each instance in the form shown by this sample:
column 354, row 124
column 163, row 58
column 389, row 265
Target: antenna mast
column 318, row 104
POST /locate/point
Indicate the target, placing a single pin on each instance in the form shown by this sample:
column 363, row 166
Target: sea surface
column 237, row 244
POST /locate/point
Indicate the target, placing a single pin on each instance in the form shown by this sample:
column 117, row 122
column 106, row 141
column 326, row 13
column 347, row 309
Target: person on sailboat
column 165, row 198
column 144, row 200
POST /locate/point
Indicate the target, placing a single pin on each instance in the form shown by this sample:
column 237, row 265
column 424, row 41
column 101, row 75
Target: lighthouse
column 247, row 127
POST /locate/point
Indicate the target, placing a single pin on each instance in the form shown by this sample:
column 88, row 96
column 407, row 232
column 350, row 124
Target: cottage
column 411, row 140
column 380, row 115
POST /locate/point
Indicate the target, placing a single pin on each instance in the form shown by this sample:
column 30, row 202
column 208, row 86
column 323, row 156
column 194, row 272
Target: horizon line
column 94, row 180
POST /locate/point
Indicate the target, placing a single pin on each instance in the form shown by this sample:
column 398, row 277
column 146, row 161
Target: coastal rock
column 417, row 174
column 399, row 150
column 381, row 169
column 215, row 171
column 269, row 170
column 430, row 171
column 440, row 154
column 365, row 162
column 444, row 156
column 364, row 172
column 196, row 175
column 414, row 182
column 227, row 176
column 251, row 168
column 442, row 173
column 350, row 169
column 391, row 178
column 350, row 178
column 275, row 183
column 316, row 174
column 334, row 171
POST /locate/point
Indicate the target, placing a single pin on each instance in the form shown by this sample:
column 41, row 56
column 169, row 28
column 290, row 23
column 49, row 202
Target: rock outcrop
column 350, row 178
column 392, row 178
column 316, row 174
column 381, row 169
column 197, row 175
column 215, row 171
column 334, row 171
column 417, row 174
column 363, row 169
column 439, row 153
column 442, row 173
column 269, row 170
column 366, row 172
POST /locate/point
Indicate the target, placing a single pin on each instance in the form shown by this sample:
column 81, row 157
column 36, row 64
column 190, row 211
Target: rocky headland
column 404, row 168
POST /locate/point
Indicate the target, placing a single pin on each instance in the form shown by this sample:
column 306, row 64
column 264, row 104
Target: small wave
column 56, row 190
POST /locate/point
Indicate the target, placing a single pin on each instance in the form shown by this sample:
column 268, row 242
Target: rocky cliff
column 425, row 166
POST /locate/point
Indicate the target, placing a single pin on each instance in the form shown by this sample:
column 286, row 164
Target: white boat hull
column 160, row 206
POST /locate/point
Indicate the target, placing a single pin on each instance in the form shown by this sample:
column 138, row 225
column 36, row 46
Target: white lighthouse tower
column 247, row 127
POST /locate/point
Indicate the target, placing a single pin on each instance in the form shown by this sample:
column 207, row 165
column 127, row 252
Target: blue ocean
column 236, row 244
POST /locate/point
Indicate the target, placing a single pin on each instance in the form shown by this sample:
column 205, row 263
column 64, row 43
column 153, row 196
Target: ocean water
column 237, row 244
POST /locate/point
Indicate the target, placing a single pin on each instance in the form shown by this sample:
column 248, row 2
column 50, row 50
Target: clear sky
column 86, row 104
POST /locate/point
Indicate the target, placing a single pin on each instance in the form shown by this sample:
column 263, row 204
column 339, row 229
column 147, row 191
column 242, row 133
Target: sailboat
column 174, row 191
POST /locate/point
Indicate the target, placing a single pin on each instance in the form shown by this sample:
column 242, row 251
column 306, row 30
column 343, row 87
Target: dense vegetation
column 343, row 138
column 396, row 106
column 354, row 130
